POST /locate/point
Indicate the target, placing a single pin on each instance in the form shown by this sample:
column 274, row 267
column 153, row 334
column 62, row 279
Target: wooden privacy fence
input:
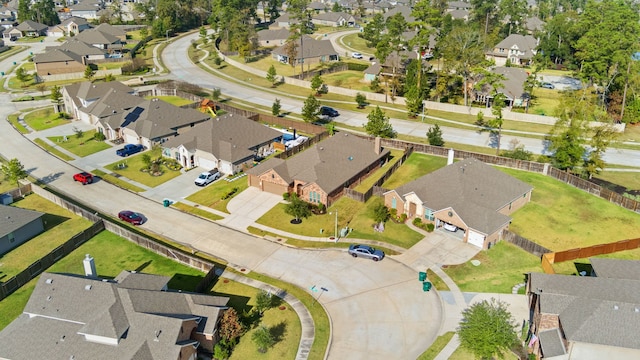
column 524, row 243
column 587, row 252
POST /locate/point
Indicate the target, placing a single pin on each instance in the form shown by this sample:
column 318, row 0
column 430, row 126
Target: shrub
column 321, row 208
column 99, row 136
column 403, row 217
column 430, row 227
column 286, row 196
column 417, row 222
column 230, row 193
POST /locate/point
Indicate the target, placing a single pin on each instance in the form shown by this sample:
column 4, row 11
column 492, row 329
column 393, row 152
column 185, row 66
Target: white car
column 356, row 56
column 207, row 178
column 450, row 227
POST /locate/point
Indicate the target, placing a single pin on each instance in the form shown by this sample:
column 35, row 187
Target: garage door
column 130, row 139
column 206, row 163
column 476, row 239
column 274, row 188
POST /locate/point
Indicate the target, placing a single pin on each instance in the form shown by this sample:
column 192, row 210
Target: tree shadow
column 49, row 178
column 278, row 331
column 494, row 139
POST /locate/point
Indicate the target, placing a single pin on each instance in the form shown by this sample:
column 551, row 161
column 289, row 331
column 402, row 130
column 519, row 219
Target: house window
column 12, row 237
column 524, row 195
column 428, row 214
column 510, row 206
column 393, row 203
column 314, row 197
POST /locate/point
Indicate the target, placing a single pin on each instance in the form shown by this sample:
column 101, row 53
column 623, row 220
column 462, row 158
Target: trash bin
column 2, row 73
column 166, row 202
column 426, row 286
column 422, row 276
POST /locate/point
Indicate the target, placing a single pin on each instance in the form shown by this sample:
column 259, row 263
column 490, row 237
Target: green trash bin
column 166, row 202
column 426, row 286
column 422, row 276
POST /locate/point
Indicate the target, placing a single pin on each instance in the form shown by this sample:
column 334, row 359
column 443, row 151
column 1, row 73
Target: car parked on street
column 356, row 55
column 366, row 251
column 83, row 177
column 131, row 217
column 207, row 177
column 328, row 111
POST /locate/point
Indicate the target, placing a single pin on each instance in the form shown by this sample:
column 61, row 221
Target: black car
column 328, row 111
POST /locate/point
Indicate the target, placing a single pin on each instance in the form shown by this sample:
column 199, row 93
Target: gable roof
column 311, row 48
column 228, row 137
column 146, row 324
column 96, row 36
column 13, row 218
column 111, row 103
column 525, row 43
column 513, row 84
column 29, row 25
column 329, row 163
column 89, row 91
column 472, row 188
column 76, row 20
column 57, row 55
column 593, row 310
column 615, row 268
column 276, row 34
column 79, row 47
column 107, row 28
column 333, row 16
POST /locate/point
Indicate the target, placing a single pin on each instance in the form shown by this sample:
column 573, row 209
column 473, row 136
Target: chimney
column 450, row 157
column 89, row 266
column 377, row 147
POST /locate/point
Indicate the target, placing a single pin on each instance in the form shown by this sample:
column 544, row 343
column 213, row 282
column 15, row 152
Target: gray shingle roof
column 111, row 30
column 57, row 55
column 329, row 164
column 473, row 189
column 142, row 281
column 228, row 137
column 592, row 309
column 551, row 342
column 333, row 16
column 65, row 308
column 29, row 25
column 113, row 102
column 13, row 218
column 89, row 91
column 616, row 269
column 78, row 47
column 95, row 36
column 76, row 20
column 524, row 43
column 311, row 48
column 269, row 35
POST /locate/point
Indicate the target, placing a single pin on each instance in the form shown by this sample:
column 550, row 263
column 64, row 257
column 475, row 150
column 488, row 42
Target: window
column 12, row 237
column 428, row 214
column 509, row 206
column 314, row 197
column 393, row 203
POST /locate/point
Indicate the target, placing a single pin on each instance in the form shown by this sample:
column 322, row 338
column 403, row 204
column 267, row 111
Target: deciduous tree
column 378, row 124
column 297, row 208
column 230, row 326
column 263, row 301
column 276, row 107
column 316, row 83
column 272, row 76
column 310, row 109
column 263, row 338
column 13, row 171
column 463, row 50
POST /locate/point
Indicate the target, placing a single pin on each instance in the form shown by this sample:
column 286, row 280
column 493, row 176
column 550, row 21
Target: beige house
column 134, row 316
column 471, row 195
column 308, row 50
column 320, row 173
column 334, row 19
column 517, row 49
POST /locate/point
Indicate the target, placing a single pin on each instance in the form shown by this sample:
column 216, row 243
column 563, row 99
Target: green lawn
column 630, row 180
column 417, row 165
column 501, row 267
column 195, row 211
column 283, row 324
column 367, row 183
column 60, row 225
column 134, row 166
column 349, row 79
column 173, row 100
column 211, row 196
column 545, row 101
column 44, row 119
column 351, row 213
column 81, row 146
column 51, row 149
column 117, row 181
column 562, row 217
column 437, row 346
column 357, row 44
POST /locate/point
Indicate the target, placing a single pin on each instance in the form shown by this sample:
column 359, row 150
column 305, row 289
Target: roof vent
column 350, row 158
column 636, row 310
column 158, row 332
column 49, row 298
column 321, row 148
column 49, row 281
column 87, row 287
column 615, row 307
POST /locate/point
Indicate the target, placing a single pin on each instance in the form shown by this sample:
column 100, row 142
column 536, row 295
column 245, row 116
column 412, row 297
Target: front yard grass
column 81, row 146
column 51, row 149
column 59, row 224
column 349, row 79
column 561, row 217
column 13, row 119
column 501, row 267
column 133, row 166
column 173, row 100
column 437, row 346
column 630, row 180
column 195, row 211
column 212, row 196
column 117, row 181
column 44, row 119
column 352, row 214
column 367, row 183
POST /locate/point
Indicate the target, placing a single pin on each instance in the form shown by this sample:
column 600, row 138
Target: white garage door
column 206, row 163
column 130, row 139
column 476, row 239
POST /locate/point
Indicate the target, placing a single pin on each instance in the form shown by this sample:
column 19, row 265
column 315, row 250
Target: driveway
column 248, row 206
column 561, row 82
column 177, row 188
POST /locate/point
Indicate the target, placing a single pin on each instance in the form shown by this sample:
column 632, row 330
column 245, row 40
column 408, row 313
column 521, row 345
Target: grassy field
column 417, row 165
column 562, row 217
column 629, row 180
column 13, row 119
column 51, row 149
column 544, row 101
column 351, row 213
column 82, row 146
column 349, row 79
column 60, row 225
column 44, row 119
column 356, row 44
column 211, row 196
column 367, row 183
column 133, row 166
column 173, row 100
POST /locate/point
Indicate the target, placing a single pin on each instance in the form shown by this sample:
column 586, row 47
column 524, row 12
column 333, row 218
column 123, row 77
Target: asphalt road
column 182, row 68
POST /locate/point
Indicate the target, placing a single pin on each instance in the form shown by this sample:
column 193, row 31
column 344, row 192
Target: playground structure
column 208, row 105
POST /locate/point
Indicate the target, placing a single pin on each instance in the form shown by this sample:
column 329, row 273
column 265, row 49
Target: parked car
column 13, row 38
column 356, row 55
column 83, row 177
column 131, row 217
column 129, row 149
column 329, row 111
column 450, row 227
column 366, row 251
column 547, row 85
column 207, row 178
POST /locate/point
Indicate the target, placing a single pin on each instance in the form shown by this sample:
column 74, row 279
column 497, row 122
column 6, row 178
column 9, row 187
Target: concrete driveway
column 177, row 188
column 248, row 206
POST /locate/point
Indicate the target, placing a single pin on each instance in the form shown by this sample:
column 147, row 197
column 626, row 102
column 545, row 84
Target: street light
column 335, row 234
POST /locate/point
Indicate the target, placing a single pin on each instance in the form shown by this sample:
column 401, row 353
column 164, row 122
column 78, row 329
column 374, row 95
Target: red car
column 131, row 217
column 83, row 177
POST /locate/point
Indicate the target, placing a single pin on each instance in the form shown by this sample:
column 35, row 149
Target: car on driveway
column 329, row 111
column 366, row 251
column 207, row 178
column 131, row 217
column 450, row 227
column 83, row 177
column 547, row 85
column 356, row 56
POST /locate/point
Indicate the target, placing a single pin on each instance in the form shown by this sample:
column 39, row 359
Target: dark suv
column 331, row 112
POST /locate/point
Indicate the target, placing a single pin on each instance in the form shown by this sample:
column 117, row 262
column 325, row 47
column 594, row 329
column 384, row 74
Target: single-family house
column 11, row 33
column 458, row 5
column 317, row 7
column 133, row 316
column 275, row 37
column 284, row 21
column 308, row 50
column 17, row 226
column 594, row 316
column 29, row 28
column 334, row 19
column 469, row 194
column 69, row 27
column 459, row 14
column 109, row 29
column 534, row 24
column 405, row 11
column 102, row 40
column 8, row 12
column 229, row 142
column 517, row 49
column 320, row 173
column 85, row 10
column 59, row 61
column 512, row 88
column 80, row 98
